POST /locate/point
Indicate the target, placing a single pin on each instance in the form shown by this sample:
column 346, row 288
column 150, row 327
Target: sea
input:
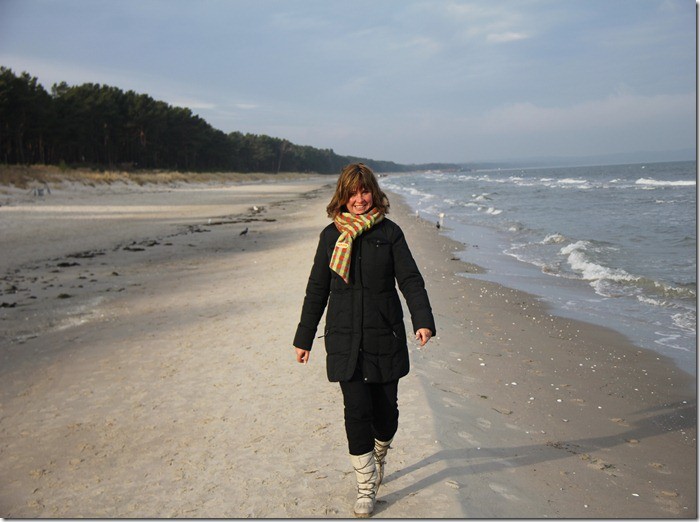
column 612, row 245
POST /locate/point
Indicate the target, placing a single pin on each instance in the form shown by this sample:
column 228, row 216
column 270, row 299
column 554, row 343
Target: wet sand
column 147, row 371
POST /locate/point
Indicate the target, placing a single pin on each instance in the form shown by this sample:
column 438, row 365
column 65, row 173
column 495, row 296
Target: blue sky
column 402, row 80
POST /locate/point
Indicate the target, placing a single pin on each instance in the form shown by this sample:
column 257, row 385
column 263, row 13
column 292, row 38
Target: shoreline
column 165, row 385
column 469, row 268
column 562, row 387
column 582, row 276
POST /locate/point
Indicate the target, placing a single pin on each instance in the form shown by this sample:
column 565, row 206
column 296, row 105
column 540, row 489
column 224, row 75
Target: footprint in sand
column 483, row 423
column 661, row 468
column 449, row 403
column 503, row 491
column 469, row 438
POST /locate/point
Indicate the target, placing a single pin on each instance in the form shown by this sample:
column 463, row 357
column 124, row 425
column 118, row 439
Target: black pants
column 371, row 411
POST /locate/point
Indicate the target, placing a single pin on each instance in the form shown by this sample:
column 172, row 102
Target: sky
column 411, row 81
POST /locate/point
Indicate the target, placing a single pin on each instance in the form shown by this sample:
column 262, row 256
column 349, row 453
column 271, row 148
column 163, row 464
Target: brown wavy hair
column 353, row 177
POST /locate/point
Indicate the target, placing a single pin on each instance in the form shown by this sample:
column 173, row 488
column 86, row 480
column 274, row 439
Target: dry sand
column 147, row 371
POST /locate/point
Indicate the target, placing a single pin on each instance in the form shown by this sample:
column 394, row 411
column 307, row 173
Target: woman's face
column 360, row 202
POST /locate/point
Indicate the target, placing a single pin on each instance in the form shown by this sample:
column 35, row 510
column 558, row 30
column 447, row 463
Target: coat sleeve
column 317, row 290
column 411, row 284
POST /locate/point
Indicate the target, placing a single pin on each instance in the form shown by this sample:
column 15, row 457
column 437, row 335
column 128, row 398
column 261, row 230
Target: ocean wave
column 553, row 239
column 649, row 182
column 589, row 270
column 616, row 282
column 685, row 320
column 546, row 268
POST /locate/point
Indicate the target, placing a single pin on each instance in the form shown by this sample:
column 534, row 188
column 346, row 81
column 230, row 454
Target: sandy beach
column 147, row 371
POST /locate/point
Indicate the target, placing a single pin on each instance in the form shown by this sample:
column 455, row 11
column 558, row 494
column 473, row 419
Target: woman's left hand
column 423, row 335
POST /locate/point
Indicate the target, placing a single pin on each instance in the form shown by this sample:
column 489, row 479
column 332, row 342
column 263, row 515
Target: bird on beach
column 244, row 232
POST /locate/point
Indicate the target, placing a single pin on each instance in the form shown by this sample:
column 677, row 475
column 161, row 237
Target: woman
column 359, row 259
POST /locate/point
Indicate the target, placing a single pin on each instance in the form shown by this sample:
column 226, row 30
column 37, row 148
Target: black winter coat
column 364, row 319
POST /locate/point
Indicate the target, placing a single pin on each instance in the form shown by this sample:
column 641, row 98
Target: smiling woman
column 359, row 259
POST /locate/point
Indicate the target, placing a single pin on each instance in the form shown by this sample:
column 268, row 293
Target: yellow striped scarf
column 350, row 226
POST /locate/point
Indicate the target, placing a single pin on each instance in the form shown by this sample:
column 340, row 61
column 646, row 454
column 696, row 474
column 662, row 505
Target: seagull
column 244, row 232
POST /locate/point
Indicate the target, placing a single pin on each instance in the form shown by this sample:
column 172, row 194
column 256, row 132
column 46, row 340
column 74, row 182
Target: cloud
column 506, row 37
column 493, row 22
column 423, row 45
column 615, row 111
column 193, row 104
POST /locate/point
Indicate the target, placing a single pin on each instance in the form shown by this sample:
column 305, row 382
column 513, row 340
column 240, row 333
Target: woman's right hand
column 302, row 355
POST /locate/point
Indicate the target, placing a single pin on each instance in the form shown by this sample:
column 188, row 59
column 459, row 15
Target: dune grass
column 35, row 175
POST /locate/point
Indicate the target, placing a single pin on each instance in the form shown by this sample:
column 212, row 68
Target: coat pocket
column 338, row 342
column 378, row 254
column 385, row 334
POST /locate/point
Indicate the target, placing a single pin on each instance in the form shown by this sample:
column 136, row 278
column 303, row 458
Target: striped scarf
column 350, row 226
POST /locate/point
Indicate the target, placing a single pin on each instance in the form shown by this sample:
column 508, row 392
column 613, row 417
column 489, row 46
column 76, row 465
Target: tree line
column 103, row 127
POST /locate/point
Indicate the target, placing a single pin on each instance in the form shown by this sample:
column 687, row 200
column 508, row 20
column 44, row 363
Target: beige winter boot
column 366, row 474
column 380, row 450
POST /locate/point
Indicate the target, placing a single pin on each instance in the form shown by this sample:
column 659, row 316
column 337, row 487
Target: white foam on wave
column 493, row 211
column 685, row 320
column 650, row 301
column 553, row 239
column 649, row 182
column 543, row 266
column 669, row 340
column 590, row 271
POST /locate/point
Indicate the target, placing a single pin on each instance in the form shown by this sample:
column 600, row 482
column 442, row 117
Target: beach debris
column 502, row 411
column 64, row 296
column 11, row 289
column 453, row 484
column 87, row 255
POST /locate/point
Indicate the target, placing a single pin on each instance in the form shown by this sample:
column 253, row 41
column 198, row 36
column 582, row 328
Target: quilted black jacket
column 365, row 317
